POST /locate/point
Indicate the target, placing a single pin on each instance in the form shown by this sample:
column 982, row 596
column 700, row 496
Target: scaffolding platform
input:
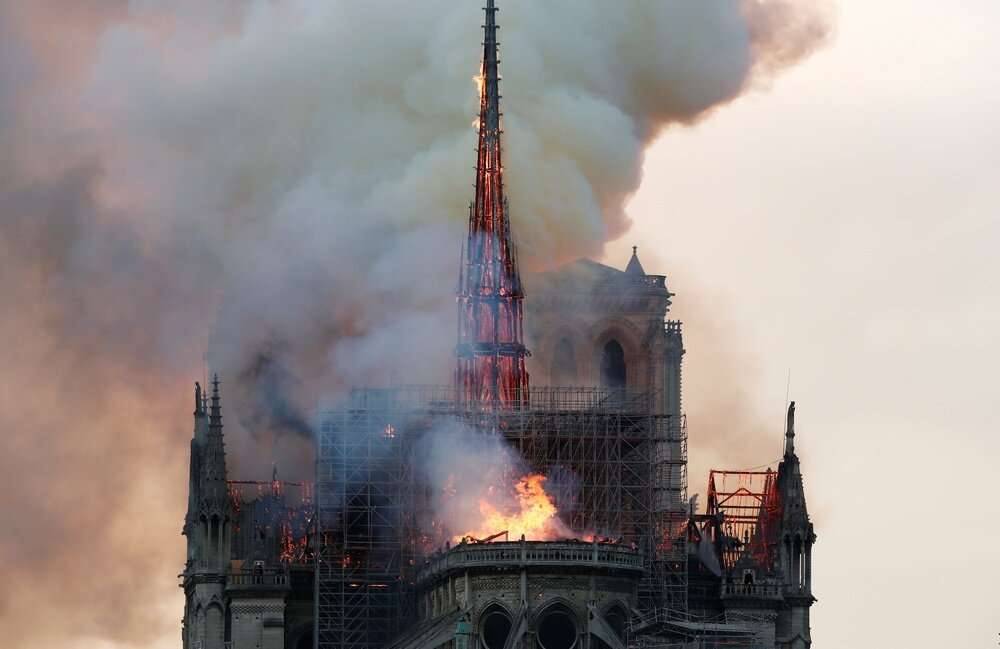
column 616, row 466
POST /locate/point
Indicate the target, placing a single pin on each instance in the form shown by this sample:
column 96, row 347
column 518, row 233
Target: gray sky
column 843, row 225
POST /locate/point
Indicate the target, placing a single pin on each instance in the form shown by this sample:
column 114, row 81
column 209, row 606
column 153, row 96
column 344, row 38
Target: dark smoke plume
column 280, row 185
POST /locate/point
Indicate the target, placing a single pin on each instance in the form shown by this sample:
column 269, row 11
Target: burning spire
column 490, row 372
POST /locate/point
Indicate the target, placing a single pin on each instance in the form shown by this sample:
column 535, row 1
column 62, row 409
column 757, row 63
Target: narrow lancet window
column 613, row 369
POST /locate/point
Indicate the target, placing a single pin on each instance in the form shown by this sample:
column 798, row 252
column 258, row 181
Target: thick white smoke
column 463, row 467
column 320, row 156
column 282, row 184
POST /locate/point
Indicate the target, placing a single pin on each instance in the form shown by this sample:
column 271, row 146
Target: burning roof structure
column 492, row 511
column 273, row 518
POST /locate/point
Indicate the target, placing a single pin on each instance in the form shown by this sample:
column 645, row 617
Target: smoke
column 472, row 476
column 281, row 186
column 729, row 430
column 460, row 468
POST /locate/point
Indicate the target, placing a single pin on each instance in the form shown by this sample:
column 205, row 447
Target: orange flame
column 535, row 515
column 480, row 80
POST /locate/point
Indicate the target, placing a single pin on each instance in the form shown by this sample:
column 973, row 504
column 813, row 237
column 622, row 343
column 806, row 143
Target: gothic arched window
column 564, row 364
column 613, row 366
column 495, row 627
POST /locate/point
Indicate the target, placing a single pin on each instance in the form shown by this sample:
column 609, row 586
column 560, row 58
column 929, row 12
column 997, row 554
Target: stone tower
column 208, row 528
column 594, row 325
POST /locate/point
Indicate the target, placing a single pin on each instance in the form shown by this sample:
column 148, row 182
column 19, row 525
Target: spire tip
column 790, row 430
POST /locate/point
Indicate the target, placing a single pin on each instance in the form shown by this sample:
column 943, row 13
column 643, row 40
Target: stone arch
column 629, row 336
column 495, row 624
column 558, row 626
column 543, row 356
column 198, row 629
column 614, row 368
column 215, row 623
column 196, row 618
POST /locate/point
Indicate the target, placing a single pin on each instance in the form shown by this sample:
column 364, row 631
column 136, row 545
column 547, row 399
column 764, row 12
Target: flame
column 480, row 80
column 293, row 550
column 534, row 514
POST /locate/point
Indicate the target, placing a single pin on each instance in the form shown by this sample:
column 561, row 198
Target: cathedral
column 348, row 561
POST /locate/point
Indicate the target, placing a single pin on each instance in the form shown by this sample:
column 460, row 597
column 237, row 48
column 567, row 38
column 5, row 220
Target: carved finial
column 790, row 430
column 197, row 399
column 634, row 267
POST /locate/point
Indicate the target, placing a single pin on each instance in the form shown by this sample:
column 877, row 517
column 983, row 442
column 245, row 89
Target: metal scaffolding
column 615, row 467
column 365, row 501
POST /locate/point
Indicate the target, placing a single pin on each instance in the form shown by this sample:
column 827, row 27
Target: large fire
column 531, row 514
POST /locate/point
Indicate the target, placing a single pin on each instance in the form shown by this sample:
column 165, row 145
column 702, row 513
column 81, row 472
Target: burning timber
column 573, row 529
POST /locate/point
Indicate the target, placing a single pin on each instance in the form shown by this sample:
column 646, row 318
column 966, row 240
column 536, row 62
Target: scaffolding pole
column 615, row 468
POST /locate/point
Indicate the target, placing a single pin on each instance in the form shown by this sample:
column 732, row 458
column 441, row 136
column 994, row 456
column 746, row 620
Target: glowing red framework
column 750, row 507
column 490, row 372
column 280, row 511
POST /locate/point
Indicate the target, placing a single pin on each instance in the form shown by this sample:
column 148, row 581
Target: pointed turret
column 635, row 268
column 797, row 538
column 207, row 522
column 490, row 372
column 207, row 526
column 793, row 497
column 215, row 494
column 198, row 439
column 790, row 477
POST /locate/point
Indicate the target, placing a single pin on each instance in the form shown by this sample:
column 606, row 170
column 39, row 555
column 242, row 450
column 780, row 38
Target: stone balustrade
column 533, row 553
